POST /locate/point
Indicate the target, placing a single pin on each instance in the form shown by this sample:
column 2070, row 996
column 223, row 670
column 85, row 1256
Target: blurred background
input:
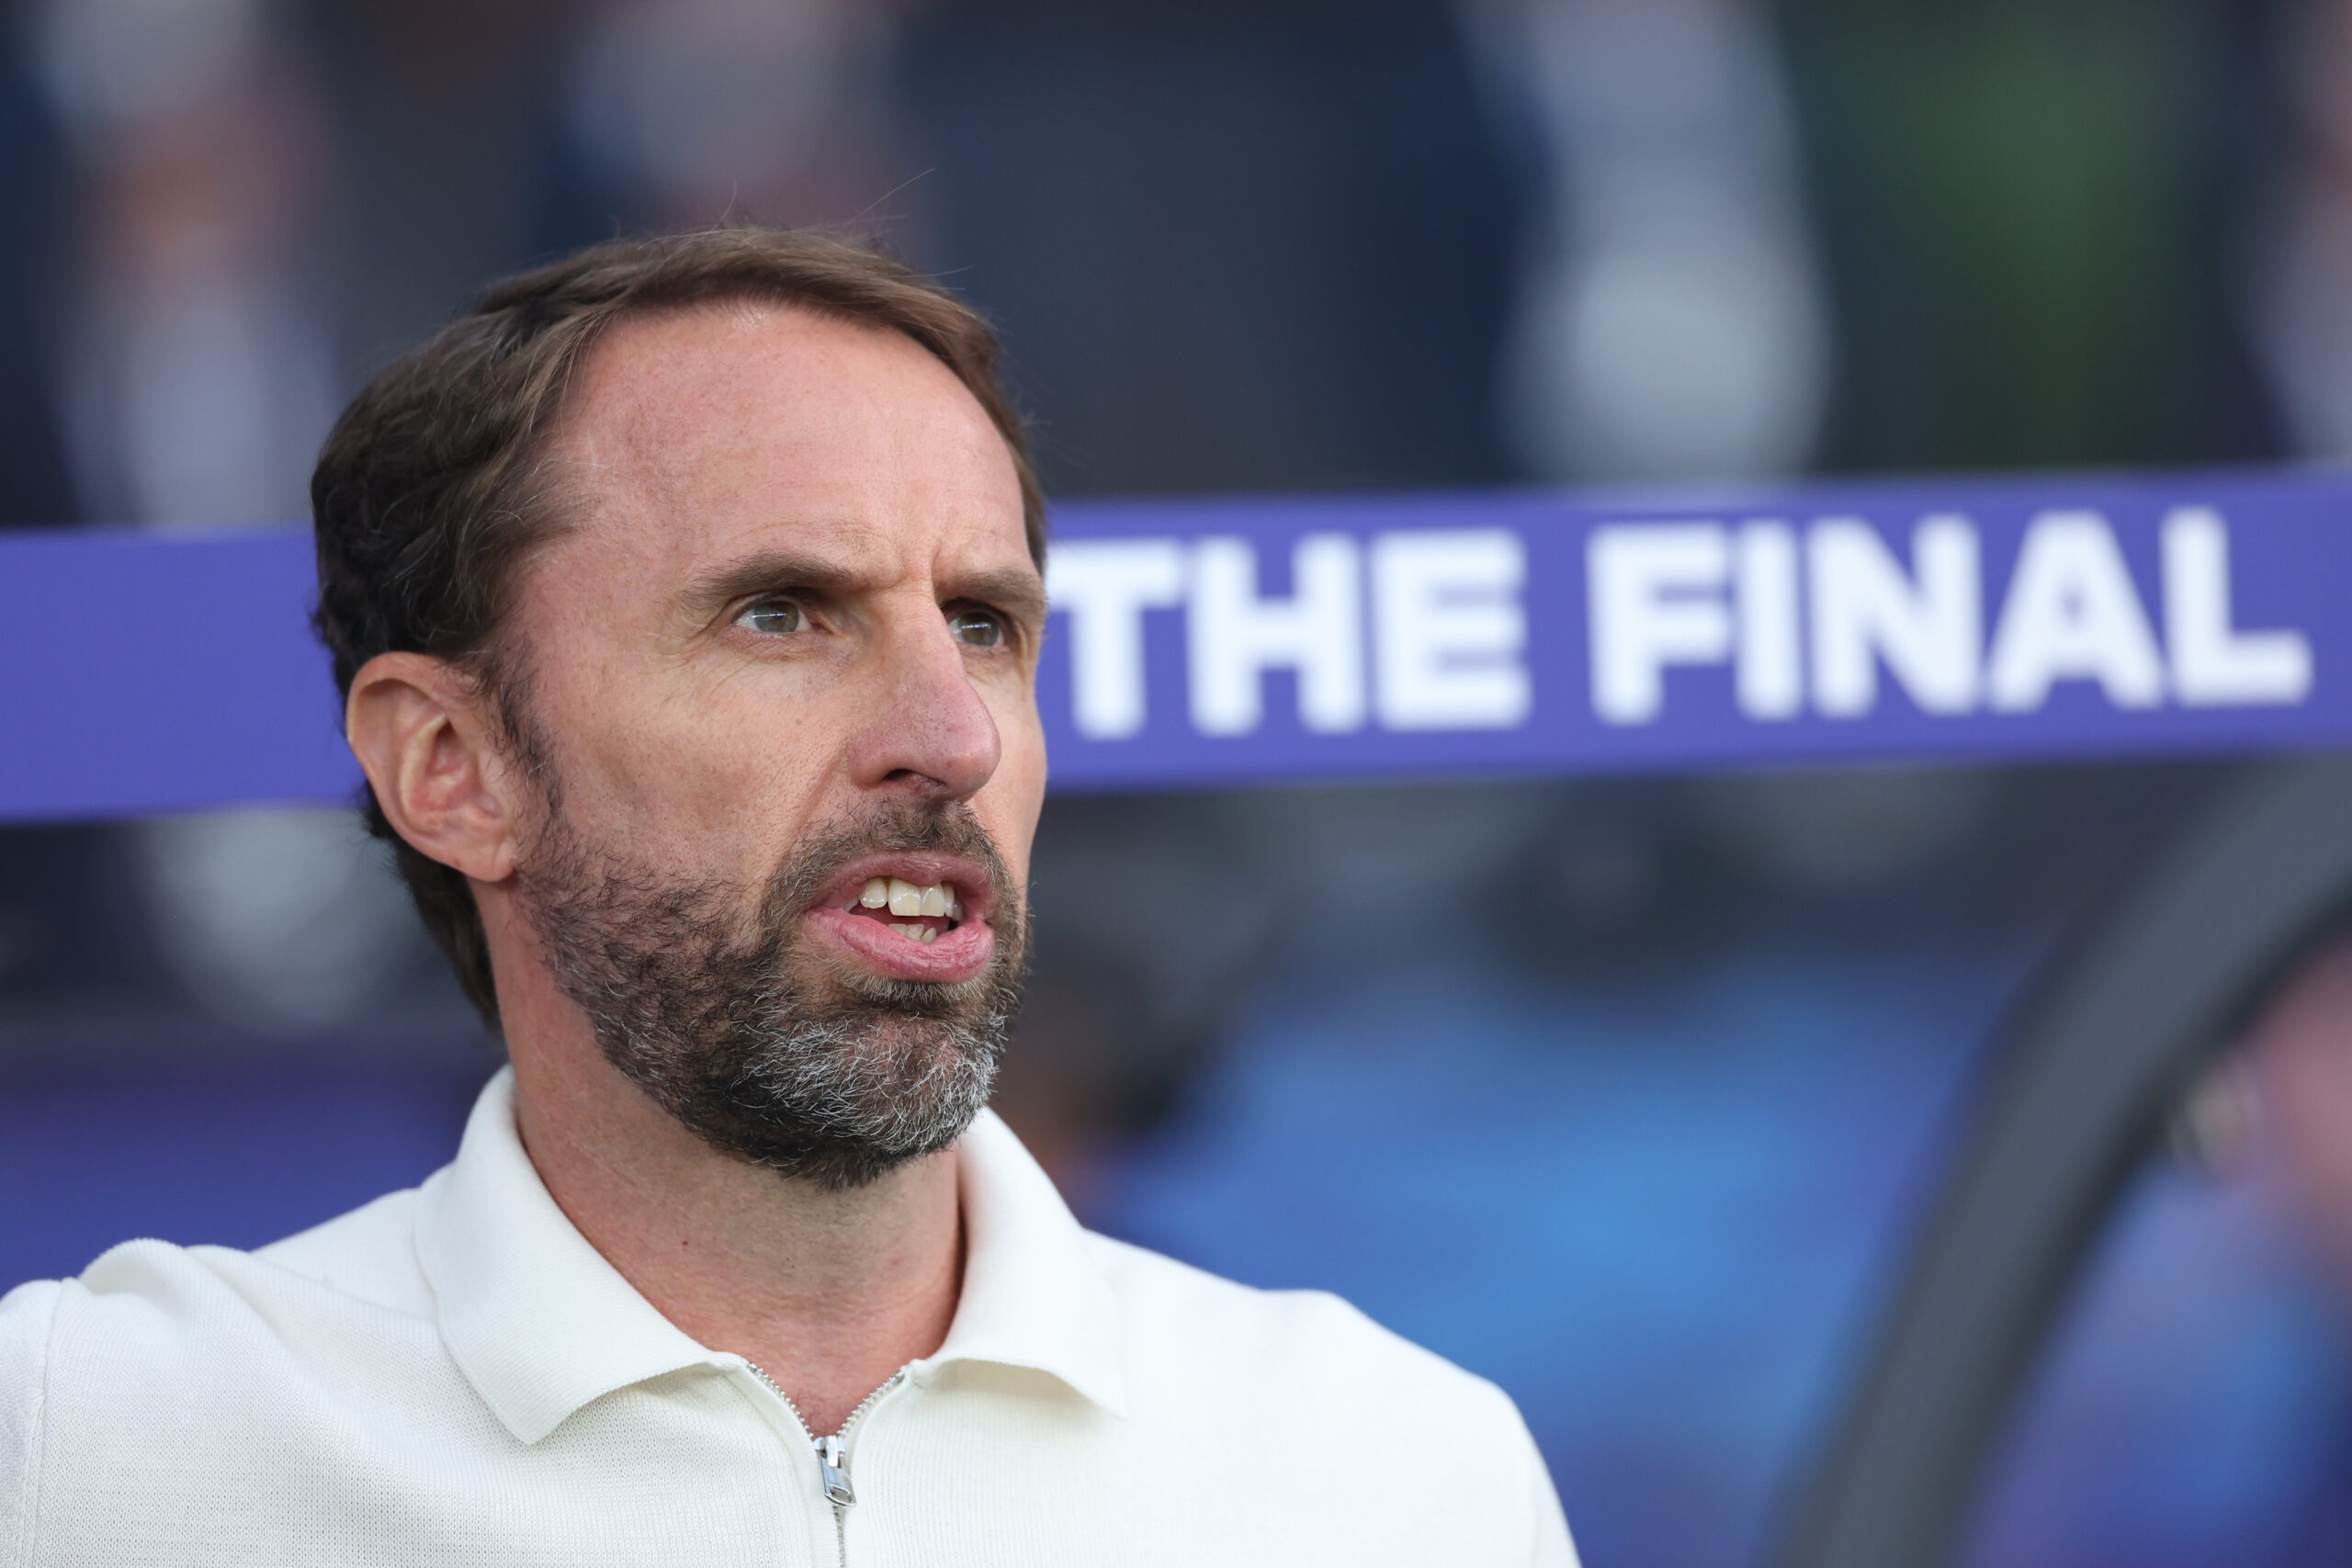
column 1624, row 1093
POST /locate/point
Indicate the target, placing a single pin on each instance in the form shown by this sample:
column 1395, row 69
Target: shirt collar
column 540, row 1323
column 1033, row 1295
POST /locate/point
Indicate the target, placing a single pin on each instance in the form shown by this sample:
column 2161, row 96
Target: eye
column 777, row 617
column 976, row 628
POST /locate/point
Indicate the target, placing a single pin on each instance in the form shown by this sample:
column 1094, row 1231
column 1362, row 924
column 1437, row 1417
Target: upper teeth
column 903, row 898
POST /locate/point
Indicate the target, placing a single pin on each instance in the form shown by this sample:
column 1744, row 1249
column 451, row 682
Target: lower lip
column 958, row 954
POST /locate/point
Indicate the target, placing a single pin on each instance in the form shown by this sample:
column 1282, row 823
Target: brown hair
column 427, row 495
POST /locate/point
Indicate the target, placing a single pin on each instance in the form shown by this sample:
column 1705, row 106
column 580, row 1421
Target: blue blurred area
column 2196, row 1409
column 1655, row 1211
column 210, row 1152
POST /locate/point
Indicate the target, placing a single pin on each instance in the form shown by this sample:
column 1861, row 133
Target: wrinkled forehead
column 700, row 434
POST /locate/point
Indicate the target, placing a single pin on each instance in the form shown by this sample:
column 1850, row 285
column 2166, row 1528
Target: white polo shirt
column 453, row 1375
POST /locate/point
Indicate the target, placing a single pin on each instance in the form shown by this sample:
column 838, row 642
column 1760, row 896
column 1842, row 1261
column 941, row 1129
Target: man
column 685, row 597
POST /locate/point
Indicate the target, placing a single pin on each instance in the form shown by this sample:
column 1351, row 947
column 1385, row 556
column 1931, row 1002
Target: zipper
column 833, row 1452
column 832, row 1459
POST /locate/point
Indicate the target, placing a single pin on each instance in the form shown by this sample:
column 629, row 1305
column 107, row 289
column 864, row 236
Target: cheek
column 705, row 775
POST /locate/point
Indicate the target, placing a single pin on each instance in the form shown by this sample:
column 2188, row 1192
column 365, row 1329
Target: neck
column 827, row 1293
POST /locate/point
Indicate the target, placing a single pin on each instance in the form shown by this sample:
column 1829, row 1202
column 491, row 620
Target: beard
column 765, row 1050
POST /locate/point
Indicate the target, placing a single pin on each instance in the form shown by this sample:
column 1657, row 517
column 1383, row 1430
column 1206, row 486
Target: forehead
column 723, row 430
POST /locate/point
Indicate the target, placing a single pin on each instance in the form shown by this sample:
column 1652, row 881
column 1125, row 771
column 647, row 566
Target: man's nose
column 929, row 730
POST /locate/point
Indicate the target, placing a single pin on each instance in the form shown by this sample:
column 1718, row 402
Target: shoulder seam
column 36, row 1437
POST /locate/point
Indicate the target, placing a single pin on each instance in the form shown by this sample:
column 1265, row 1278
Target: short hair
column 427, row 493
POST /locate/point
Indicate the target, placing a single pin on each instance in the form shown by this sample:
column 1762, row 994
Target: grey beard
column 750, row 1041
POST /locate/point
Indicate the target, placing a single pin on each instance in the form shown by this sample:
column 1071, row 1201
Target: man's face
column 780, row 662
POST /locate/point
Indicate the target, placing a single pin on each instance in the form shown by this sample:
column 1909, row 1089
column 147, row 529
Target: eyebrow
column 780, row 571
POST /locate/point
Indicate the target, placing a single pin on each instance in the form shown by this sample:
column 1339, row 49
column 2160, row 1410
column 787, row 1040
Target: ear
column 420, row 730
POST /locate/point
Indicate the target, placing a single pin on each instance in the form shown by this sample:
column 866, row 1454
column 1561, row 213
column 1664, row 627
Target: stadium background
column 1624, row 1092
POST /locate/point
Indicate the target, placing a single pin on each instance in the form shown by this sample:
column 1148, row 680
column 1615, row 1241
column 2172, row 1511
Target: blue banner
column 1229, row 642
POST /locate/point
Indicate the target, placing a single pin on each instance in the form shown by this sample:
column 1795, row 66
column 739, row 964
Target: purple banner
column 1225, row 642
column 146, row 672
column 1959, row 620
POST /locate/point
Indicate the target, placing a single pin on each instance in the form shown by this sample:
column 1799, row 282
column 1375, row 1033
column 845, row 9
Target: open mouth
column 920, row 914
column 914, row 916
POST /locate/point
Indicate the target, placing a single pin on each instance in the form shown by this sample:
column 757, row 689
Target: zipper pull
column 832, row 1458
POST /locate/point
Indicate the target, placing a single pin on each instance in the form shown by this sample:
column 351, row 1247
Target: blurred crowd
column 1287, row 243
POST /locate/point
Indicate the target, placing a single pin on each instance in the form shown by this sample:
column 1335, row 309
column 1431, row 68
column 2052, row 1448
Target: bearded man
column 685, row 596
